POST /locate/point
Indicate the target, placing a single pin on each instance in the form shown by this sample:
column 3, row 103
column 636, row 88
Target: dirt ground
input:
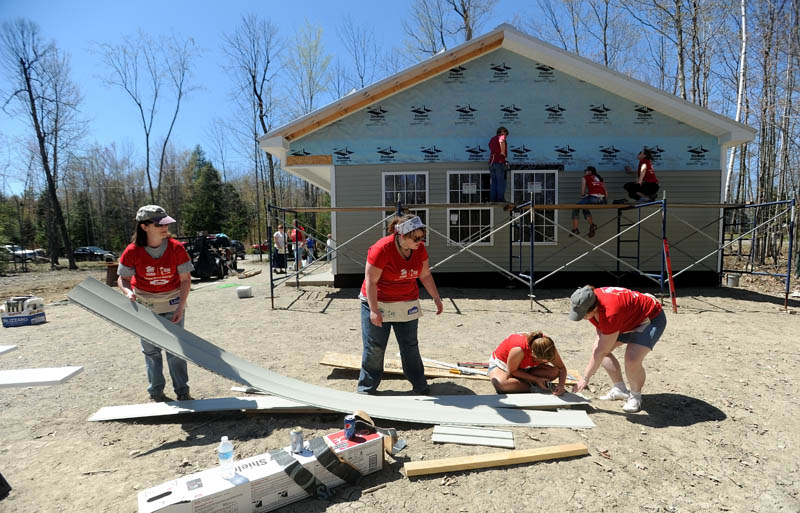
column 718, row 431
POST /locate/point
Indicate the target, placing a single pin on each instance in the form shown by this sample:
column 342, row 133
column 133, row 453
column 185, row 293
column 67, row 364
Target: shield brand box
column 22, row 311
column 264, row 482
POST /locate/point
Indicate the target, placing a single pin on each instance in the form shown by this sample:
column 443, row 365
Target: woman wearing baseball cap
column 620, row 316
column 154, row 270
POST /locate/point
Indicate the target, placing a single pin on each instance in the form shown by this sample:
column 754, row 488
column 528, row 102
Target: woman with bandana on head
column 390, row 301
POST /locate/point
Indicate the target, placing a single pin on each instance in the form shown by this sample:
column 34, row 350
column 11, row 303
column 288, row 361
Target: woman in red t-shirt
column 593, row 192
column 154, row 270
column 646, row 185
column 620, row 316
column 390, row 300
column 526, row 359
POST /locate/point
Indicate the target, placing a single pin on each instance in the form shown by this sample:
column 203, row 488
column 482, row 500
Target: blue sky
column 77, row 26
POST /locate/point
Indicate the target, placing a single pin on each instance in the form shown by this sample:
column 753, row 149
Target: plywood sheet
column 6, row 349
column 37, row 377
column 496, row 459
column 264, row 404
column 129, row 315
column 473, row 436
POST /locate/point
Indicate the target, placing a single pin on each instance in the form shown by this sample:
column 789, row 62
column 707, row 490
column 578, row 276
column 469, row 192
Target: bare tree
column 178, row 56
column 427, row 29
column 740, row 90
column 359, row 41
column 44, row 93
column 308, row 69
column 252, row 49
column 471, row 15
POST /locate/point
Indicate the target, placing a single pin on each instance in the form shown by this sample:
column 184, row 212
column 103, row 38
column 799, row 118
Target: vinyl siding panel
column 361, row 185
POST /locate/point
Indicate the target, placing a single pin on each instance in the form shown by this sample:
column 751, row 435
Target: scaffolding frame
column 624, row 226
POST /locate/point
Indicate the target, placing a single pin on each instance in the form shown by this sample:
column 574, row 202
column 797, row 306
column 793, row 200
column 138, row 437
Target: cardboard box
column 260, row 483
column 22, row 311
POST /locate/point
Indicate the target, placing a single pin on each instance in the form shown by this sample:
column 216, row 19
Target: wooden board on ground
column 390, row 366
column 6, row 349
column 473, row 436
column 37, row 377
column 495, row 459
column 248, row 274
column 251, row 404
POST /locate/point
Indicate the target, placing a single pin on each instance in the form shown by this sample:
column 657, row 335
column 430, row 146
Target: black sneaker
column 592, row 230
column 574, row 232
column 185, row 397
column 160, row 398
column 619, row 201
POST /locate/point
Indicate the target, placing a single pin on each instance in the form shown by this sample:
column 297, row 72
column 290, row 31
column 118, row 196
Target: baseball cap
column 581, row 301
column 154, row 213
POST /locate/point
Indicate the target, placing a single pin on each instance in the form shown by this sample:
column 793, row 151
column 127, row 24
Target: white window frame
column 527, row 196
column 414, row 211
column 450, row 211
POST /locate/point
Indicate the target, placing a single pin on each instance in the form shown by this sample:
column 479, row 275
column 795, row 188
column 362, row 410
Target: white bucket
column 733, row 280
column 244, row 292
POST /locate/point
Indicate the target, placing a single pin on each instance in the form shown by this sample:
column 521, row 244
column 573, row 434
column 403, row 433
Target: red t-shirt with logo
column 494, row 147
column 622, row 310
column 649, row 172
column 155, row 274
column 519, row 340
column 594, row 186
column 398, row 281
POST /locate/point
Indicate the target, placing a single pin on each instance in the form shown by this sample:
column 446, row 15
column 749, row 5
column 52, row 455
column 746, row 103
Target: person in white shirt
column 329, row 245
column 279, row 252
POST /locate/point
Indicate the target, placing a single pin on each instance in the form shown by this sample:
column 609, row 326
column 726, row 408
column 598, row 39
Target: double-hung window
column 408, row 188
column 544, row 186
column 469, row 224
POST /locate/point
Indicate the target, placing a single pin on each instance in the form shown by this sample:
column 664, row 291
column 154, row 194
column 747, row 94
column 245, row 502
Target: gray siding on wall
column 362, row 186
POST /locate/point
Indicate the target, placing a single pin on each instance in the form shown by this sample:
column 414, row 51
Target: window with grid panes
column 410, row 189
column 544, row 186
column 469, row 224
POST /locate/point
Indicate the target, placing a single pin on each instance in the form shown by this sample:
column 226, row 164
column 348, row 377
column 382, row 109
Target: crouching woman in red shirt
column 390, row 300
column 526, row 359
column 620, row 316
column 154, row 270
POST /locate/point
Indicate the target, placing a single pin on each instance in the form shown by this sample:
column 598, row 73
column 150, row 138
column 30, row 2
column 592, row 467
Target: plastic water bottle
column 225, row 453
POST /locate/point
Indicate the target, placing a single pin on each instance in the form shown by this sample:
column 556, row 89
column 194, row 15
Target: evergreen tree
column 204, row 208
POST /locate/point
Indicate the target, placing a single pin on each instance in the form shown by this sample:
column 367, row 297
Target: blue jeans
column 587, row 200
column 155, row 367
column 497, row 182
column 374, row 340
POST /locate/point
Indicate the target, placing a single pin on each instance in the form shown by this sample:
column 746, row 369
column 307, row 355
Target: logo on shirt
column 149, row 270
column 409, row 274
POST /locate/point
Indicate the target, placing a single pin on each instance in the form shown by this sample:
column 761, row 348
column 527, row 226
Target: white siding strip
column 470, row 436
column 6, row 349
column 37, row 377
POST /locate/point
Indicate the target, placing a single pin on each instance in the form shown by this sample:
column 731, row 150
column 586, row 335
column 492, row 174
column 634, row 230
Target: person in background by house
column 298, row 236
column 593, row 192
column 646, row 185
column 311, row 245
column 620, row 316
column 279, row 250
column 154, row 270
column 526, row 359
column 498, row 146
column 390, row 301
column 329, row 246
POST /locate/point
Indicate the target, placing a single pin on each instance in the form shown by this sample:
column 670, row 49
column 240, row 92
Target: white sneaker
column 615, row 394
column 633, row 404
